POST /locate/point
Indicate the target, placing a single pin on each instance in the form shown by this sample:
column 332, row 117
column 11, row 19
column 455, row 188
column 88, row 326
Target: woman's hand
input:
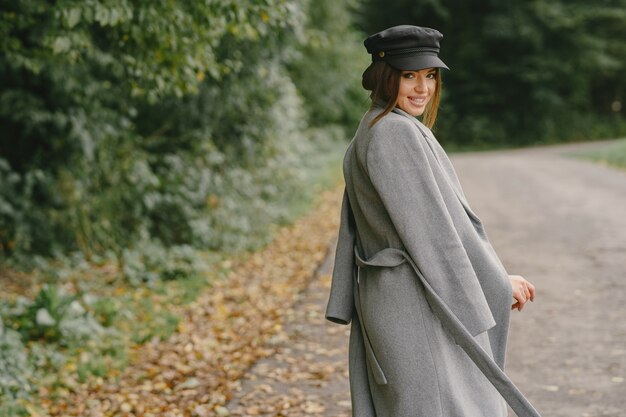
column 522, row 291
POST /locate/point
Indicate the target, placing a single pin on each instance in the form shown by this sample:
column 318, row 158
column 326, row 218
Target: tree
column 167, row 123
column 522, row 71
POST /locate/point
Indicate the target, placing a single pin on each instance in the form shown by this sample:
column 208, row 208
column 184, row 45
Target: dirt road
column 560, row 222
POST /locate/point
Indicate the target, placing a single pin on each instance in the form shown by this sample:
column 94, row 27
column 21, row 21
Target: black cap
column 405, row 47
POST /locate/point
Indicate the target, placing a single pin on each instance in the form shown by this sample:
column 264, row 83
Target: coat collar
column 445, row 165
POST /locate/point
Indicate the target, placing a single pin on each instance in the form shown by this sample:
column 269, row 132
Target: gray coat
column 427, row 296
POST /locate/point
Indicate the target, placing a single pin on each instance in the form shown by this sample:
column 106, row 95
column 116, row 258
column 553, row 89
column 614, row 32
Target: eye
column 408, row 75
column 431, row 75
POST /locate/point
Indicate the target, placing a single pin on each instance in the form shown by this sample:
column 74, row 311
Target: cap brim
column 416, row 62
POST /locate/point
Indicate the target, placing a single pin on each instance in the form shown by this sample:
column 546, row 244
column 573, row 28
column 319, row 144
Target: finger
column 521, row 300
column 531, row 288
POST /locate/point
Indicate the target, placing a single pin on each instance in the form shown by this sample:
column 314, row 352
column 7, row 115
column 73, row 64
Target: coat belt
column 391, row 258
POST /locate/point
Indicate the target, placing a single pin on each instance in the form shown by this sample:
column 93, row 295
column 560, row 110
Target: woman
column 427, row 296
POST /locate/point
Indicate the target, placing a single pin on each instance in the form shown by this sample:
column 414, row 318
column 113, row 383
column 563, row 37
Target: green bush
column 150, row 262
column 154, row 134
column 15, row 371
column 138, row 131
column 327, row 69
column 53, row 316
column 57, row 329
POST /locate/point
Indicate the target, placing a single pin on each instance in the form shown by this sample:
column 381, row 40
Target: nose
column 420, row 84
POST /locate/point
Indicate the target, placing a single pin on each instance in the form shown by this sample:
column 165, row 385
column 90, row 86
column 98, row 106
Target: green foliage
column 55, row 317
column 15, row 371
column 145, row 131
column 162, row 325
column 153, row 135
column 75, row 94
column 54, row 340
column 150, row 262
column 522, row 72
column 328, row 65
column 13, row 408
column 104, row 310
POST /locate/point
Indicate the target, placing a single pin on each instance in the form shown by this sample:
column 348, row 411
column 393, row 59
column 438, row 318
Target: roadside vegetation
column 612, row 155
column 145, row 150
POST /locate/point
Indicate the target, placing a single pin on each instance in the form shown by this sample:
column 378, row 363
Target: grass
column 613, row 155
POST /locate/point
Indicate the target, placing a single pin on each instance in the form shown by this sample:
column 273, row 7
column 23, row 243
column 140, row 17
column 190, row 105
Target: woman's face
column 416, row 90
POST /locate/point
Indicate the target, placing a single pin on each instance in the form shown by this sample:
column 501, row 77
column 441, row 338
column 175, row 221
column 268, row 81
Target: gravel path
column 560, row 222
column 308, row 376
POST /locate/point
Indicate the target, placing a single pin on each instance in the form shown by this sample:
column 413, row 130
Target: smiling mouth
column 417, row 100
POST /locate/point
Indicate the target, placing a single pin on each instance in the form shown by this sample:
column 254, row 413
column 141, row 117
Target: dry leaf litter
column 233, row 325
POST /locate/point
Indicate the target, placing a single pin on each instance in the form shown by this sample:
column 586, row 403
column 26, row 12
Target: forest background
column 155, row 139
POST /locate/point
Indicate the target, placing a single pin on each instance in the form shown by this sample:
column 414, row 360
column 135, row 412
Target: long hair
column 384, row 83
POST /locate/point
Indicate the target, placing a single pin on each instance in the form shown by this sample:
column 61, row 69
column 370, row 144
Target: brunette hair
column 384, row 83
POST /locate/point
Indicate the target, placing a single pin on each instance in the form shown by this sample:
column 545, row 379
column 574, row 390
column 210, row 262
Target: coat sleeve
column 341, row 300
column 400, row 172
